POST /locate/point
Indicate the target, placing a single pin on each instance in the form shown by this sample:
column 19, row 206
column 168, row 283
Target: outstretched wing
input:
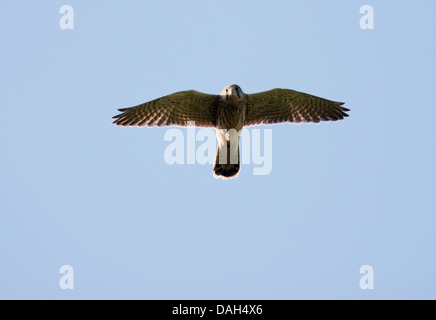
column 282, row 105
column 173, row 110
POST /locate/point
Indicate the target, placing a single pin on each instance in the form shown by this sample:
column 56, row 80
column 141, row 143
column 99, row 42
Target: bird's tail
column 226, row 168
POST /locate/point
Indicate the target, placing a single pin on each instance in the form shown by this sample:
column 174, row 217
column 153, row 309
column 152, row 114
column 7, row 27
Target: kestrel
column 229, row 112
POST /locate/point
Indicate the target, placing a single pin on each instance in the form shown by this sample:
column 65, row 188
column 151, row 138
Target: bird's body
column 232, row 107
column 229, row 112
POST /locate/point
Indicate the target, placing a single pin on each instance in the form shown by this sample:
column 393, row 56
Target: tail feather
column 226, row 170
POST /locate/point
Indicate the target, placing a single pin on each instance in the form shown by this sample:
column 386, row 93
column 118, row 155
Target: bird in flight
column 229, row 112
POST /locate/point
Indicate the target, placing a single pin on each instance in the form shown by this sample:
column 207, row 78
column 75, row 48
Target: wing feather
column 283, row 105
column 175, row 109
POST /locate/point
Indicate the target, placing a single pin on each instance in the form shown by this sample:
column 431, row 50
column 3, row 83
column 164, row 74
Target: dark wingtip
column 119, row 115
column 340, row 104
column 117, row 119
column 343, row 110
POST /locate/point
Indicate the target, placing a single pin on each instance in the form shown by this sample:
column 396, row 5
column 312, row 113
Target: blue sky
column 76, row 190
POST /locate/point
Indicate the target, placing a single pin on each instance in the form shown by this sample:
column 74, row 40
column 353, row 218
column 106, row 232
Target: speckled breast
column 230, row 115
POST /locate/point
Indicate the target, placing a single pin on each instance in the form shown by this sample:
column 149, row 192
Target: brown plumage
column 229, row 112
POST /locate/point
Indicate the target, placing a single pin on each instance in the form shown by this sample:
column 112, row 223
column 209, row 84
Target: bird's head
column 232, row 92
